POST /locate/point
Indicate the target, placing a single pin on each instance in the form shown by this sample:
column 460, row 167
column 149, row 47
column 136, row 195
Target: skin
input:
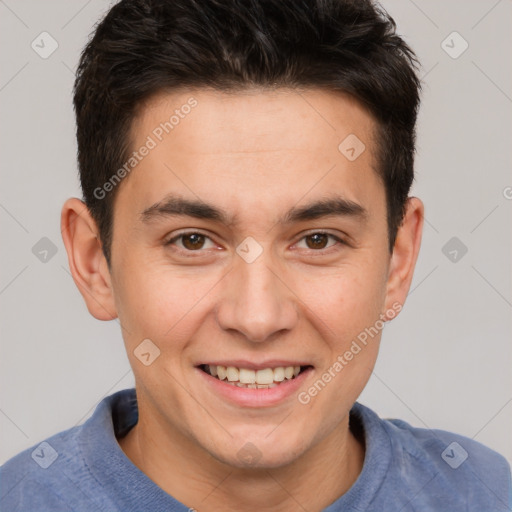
column 254, row 154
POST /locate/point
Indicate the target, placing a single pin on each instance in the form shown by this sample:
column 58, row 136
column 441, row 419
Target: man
column 246, row 170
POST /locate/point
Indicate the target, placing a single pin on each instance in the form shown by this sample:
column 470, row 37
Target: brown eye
column 193, row 241
column 318, row 240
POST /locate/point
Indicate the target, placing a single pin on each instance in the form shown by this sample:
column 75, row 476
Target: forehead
column 252, row 147
column 248, row 120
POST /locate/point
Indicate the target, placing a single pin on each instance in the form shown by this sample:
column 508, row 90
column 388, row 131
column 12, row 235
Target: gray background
column 445, row 362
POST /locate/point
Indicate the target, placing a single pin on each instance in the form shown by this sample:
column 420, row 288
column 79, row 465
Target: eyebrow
column 173, row 206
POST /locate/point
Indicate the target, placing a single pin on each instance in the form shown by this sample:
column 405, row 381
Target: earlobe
column 405, row 254
column 86, row 260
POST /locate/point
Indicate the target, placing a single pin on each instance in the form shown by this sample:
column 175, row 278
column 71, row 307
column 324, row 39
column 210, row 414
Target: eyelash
column 189, row 253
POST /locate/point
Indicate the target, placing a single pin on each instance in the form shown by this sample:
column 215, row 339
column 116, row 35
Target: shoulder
column 445, row 449
column 458, row 466
column 34, row 479
column 57, row 474
column 443, row 467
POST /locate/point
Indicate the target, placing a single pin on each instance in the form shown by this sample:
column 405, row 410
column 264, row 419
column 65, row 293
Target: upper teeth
column 246, row 376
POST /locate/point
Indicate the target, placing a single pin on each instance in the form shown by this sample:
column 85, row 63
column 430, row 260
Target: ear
column 405, row 254
column 86, row 260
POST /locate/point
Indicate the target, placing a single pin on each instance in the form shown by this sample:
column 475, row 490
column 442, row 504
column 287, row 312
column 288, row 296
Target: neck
column 192, row 476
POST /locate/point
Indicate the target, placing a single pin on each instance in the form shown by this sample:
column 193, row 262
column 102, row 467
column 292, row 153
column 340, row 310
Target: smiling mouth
column 254, row 379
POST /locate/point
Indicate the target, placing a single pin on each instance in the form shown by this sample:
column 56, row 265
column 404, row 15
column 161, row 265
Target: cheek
column 347, row 299
column 161, row 303
column 347, row 306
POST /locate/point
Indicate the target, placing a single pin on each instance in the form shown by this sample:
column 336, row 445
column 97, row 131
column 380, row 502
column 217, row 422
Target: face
column 246, row 238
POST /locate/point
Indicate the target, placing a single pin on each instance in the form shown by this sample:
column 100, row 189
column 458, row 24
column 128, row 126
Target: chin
column 260, row 453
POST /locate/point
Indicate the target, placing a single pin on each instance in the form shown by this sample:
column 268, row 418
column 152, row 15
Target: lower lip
column 248, row 397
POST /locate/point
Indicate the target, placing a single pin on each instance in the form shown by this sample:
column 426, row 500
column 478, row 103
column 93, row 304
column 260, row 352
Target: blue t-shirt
column 405, row 469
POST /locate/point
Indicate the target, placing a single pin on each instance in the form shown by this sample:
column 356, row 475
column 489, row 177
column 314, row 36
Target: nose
column 256, row 301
